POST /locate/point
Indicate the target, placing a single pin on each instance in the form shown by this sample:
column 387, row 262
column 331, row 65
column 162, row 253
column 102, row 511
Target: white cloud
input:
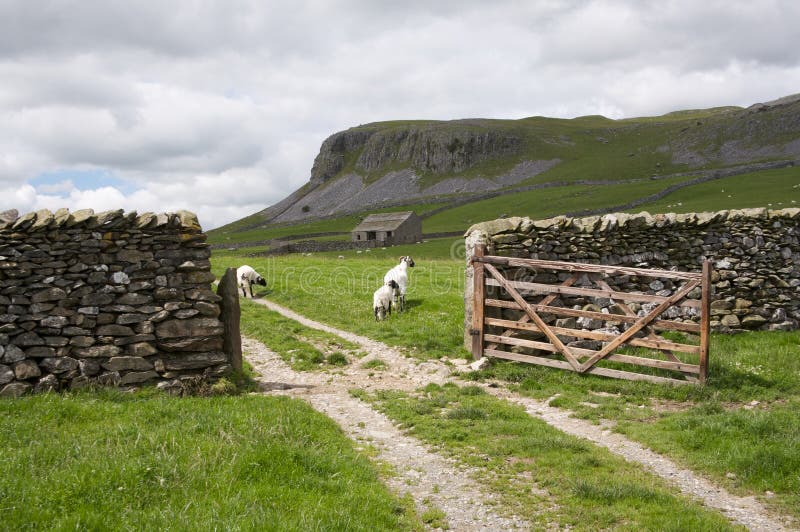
column 220, row 107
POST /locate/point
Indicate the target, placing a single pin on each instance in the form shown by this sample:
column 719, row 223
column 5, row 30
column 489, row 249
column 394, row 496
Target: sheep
column 400, row 275
column 247, row 277
column 382, row 300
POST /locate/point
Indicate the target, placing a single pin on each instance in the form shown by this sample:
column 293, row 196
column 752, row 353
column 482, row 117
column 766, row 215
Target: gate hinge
column 474, row 332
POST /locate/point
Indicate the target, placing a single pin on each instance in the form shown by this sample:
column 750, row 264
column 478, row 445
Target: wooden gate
column 531, row 334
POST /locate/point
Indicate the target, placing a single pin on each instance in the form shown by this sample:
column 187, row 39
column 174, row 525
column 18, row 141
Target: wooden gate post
column 705, row 311
column 478, row 302
column 230, row 313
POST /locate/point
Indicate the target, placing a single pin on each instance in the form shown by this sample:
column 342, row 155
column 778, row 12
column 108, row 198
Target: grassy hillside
column 599, row 163
column 779, row 188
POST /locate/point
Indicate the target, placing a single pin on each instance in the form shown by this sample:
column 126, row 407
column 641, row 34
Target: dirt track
column 422, row 472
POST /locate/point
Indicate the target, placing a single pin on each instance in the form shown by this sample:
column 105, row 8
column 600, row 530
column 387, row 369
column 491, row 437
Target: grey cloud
column 202, row 94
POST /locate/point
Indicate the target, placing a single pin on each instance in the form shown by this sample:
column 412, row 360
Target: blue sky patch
column 84, row 180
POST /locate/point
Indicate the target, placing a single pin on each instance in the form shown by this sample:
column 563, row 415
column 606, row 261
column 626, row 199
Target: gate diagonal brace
column 638, row 325
column 544, row 302
column 559, row 345
column 651, row 333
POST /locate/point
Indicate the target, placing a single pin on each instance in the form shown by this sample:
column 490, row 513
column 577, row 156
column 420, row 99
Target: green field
column 339, row 292
column 146, row 461
column 545, row 203
column 750, row 451
column 774, row 189
column 235, row 232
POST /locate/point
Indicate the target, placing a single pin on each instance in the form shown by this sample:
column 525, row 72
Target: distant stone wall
column 754, row 253
column 111, row 298
column 315, row 246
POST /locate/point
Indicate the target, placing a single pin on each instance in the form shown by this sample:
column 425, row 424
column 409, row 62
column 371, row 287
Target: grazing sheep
column 382, row 300
column 400, row 275
column 247, row 277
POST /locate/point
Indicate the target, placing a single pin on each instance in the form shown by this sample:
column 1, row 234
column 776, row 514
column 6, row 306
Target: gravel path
column 433, row 481
column 745, row 511
column 328, row 394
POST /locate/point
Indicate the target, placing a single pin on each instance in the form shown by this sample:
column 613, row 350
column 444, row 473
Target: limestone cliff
column 436, row 147
column 405, row 162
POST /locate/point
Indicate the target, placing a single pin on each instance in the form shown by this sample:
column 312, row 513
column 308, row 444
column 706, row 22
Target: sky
column 219, row 107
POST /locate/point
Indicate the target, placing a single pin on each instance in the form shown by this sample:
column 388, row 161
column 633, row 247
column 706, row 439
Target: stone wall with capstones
column 754, row 253
column 113, row 298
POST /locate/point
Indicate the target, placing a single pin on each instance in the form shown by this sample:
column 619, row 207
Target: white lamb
column 399, row 274
column 382, row 300
column 247, row 277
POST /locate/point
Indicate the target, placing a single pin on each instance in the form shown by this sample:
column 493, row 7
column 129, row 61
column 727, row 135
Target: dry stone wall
column 754, row 253
column 111, row 298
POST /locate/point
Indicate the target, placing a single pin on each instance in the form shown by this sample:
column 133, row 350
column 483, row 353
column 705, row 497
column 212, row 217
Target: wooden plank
column 569, row 281
column 588, row 268
column 662, row 345
column 560, row 311
column 478, row 303
column 641, row 323
column 564, row 350
column 588, row 353
column 705, row 316
column 540, row 288
column 605, row 372
column 651, row 333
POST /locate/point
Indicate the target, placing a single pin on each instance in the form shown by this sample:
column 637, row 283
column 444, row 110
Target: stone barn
column 388, row 229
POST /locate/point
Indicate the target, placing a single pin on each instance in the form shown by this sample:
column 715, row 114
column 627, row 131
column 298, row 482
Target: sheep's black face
column 393, row 284
column 261, row 281
column 408, row 260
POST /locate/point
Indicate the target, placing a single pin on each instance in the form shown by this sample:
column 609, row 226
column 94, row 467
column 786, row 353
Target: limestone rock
column 114, row 330
column 12, row 354
column 9, row 216
column 753, row 321
column 730, row 320
column 48, row 383
column 50, row 294
column 80, row 217
column 6, row 374
column 137, row 377
column 99, row 351
column 127, row 363
column 15, row 389
column 89, row 367
column 193, row 361
column 59, row 364
column 189, row 328
column 26, row 369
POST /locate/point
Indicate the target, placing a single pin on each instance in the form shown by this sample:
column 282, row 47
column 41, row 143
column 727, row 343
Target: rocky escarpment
column 439, row 148
column 402, row 163
column 762, row 131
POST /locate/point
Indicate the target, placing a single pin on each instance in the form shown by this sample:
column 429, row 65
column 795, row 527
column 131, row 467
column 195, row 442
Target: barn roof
column 387, row 221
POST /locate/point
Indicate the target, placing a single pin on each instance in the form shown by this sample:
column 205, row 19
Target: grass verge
column 742, row 429
column 550, row 478
column 303, row 348
column 114, row 461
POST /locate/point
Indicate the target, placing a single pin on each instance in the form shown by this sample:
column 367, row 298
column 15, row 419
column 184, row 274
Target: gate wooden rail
column 543, row 343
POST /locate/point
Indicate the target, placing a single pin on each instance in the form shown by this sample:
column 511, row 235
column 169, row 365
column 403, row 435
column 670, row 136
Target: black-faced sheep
column 399, row 274
column 247, row 277
column 382, row 300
